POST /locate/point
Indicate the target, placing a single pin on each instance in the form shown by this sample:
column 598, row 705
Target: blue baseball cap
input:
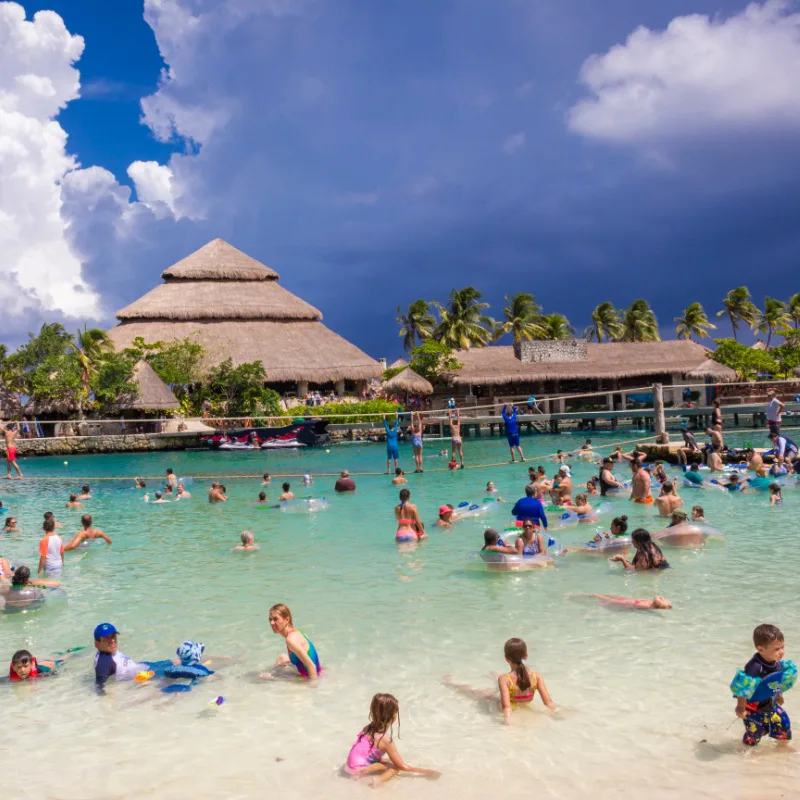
column 104, row 629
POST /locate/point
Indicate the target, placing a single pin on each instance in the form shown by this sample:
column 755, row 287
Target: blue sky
column 374, row 153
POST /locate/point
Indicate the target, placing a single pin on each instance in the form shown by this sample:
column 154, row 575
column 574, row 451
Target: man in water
column 785, row 448
column 87, row 535
column 10, row 432
column 215, row 494
column 640, row 485
column 345, row 483
column 775, row 409
column 399, row 477
column 512, row 431
column 172, row 479
column 529, row 507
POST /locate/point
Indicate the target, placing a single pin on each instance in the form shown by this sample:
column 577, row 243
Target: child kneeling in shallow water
column 366, row 757
column 517, row 686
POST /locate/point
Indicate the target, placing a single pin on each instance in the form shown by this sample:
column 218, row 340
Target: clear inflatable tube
column 27, row 598
column 506, row 562
column 308, row 505
column 688, row 534
column 606, row 547
column 475, row 510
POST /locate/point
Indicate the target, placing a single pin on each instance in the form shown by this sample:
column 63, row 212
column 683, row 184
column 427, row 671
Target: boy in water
column 288, row 494
column 766, row 717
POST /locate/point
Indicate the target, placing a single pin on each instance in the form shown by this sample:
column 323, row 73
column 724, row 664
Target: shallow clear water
column 645, row 705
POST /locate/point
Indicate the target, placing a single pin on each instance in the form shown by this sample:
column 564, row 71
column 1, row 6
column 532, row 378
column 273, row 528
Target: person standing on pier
column 416, row 440
column 10, row 432
column 455, row 431
column 775, row 409
column 392, row 453
column 512, row 431
column 716, row 415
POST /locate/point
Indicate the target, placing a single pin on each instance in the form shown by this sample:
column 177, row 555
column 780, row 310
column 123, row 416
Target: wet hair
column 591, row 482
column 49, row 525
column 49, row 515
column 679, row 516
column 382, row 711
column 168, row 488
column 404, row 495
column 286, row 487
column 21, row 576
column 223, row 488
column 248, row 536
column 734, row 477
column 650, row 550
column 669, row 487
column 262, row 495
column 516, row 651
column 695, row 467
column 766, row 634
column 490, row 537
column 621, row 523
column 169, row 470
column 21, row 656
column 9, row 520
column 86, row 520
column 85, row 488
column 580, row 499
column 141, row 483
column 775, row 488
column 73, row 498
column 282, row 610
column 158, row 495
column 265, row 475
column 699, row 509
column 398, row 471
column 540, row 469
column 529, row 491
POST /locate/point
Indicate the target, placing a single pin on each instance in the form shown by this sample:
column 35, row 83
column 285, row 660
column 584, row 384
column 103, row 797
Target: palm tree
column 605, row 324
column 556, row 326
column 794, row 309
column 416, row 325
column 89, row 348
column 639, row 323
column 738, row 307
column 463, row 323
column 522, row 314
column 693, row 322
column 775, row 318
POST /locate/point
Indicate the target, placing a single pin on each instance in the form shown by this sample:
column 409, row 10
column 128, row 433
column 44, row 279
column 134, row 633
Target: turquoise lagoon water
column 645, row 706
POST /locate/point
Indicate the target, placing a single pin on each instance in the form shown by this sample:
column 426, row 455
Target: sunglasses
column 527, row 526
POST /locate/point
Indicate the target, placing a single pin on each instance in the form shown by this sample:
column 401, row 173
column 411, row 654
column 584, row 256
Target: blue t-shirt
column 510, row 421
column 391, row 433
column 529, row 508
column 693, row 477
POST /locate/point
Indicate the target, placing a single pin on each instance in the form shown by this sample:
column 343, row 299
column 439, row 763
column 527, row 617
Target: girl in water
column 409, row 524
column 648, row 553
column 416, row 440
column 301, row 653
column 366, row 757
column 517, row 686
column 775, row 496
column 591, row 487
column 530, row 543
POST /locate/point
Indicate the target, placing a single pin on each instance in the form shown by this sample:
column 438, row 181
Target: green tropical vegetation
column 738, row 307
column 523, row 317
column 606, row 324
column 693, row 322
column 462, row 323
column 417, row 324
column 555, row 326
column 773, row 318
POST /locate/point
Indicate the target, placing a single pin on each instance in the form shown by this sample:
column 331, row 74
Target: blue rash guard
column 391, row 438
column 530, row 508
column 510, row 420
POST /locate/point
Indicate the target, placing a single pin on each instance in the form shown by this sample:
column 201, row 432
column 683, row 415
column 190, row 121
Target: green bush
column 350, row 412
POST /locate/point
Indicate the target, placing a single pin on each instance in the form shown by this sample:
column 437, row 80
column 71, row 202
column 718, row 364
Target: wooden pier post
column 658, row 411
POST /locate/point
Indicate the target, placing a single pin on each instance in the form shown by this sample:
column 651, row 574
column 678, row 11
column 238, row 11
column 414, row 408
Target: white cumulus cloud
column 699, row 76
column 37, row 80
column 153, row 184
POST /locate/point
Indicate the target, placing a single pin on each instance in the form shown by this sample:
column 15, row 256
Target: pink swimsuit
column 363, row 753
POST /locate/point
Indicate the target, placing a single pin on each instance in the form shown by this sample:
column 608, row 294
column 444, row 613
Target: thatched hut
column 409, row 382
column 398, row 363
column 235, row 308
column 574, row 366
column 153, row 394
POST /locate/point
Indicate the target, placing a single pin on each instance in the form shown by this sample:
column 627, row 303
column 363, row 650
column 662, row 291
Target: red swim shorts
column 12, row 454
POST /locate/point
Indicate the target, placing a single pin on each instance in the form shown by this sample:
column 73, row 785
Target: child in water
column 767, row 716
column 248, row 543
column 658, row 602
column 698, row 514
column 24, row 666
column 775, row 496
column 519, row 685
column 591, row 487
column 366, row 757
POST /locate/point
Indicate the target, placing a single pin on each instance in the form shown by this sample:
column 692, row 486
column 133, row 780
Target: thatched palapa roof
column 234, row 307
column 400, row 362
column 497, row 365
column 153, row 395
column 714, row 370
column 408, row 381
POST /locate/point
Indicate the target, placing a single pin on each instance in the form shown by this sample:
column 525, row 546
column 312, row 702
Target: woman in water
column 416, row 440
column 409, row 524
column 375, row 741
column 301, row 652
column 582, row 508
column 530, row 543
column 648, row 554
column 11, row 525
column 517, row 686
column 591, row 487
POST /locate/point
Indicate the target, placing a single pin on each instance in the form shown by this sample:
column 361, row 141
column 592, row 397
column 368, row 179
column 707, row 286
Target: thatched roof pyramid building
column 235, row 308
